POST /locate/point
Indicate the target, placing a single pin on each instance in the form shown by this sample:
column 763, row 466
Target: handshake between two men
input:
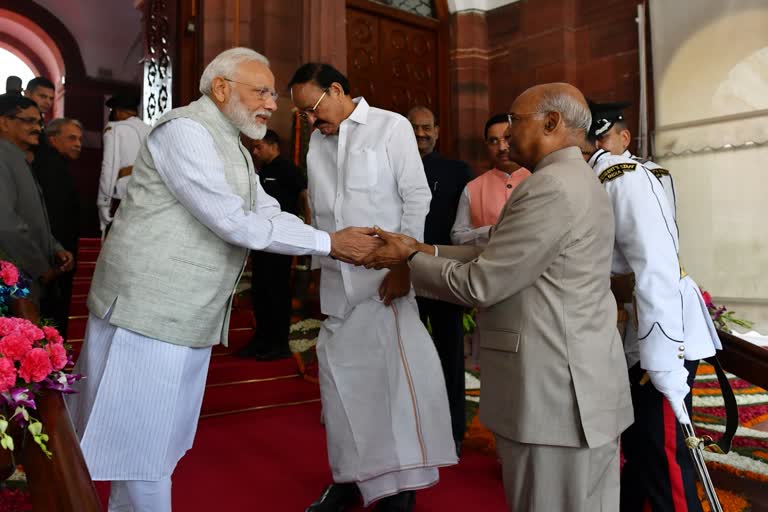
column 376, row 249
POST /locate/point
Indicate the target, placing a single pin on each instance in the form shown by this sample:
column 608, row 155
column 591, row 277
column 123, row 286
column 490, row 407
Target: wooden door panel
column 392, row 62
column 363, row 65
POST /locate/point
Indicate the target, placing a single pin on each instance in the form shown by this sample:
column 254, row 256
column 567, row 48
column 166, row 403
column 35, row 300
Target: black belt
column 731, row 411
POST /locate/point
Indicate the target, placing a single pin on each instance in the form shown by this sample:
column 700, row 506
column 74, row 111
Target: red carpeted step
column 85, row 269
column 231, row 369
column 81, row 286
column 236, row 397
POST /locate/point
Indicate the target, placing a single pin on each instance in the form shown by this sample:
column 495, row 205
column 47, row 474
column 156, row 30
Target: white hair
column 225, row 63
column 576, row 114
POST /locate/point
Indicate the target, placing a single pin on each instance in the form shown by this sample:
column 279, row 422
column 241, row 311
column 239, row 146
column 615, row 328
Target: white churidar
column 136, row 412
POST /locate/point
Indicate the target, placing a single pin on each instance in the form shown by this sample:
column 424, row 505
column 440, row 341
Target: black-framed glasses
column 263, row 92
column 306, row 112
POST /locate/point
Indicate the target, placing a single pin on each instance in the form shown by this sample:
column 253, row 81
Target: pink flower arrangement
column 31, row 359
column 721, row 317
column 9, row 274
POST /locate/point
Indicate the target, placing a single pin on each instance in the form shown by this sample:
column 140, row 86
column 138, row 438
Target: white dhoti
column 137, row 409
column 384, row 399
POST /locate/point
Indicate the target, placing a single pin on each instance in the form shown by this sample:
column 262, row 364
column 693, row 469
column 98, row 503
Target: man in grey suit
column 25, row 232
column 555, row 390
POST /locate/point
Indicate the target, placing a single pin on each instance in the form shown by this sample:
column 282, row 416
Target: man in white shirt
column 123, row 137
column 384, row 401
column 165, row 278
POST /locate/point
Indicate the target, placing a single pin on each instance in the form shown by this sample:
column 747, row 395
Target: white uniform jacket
column 672, row 320
column 664, row 176
column 122, row 141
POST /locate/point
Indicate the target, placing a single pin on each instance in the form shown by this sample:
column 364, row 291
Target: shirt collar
column 596, row 156
column 360, row 114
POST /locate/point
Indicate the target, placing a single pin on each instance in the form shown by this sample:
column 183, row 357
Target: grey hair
column 54, row 127
column 576, row 114
column 225, row 63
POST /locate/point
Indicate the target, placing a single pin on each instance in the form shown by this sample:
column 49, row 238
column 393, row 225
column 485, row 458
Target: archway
column 26, row 40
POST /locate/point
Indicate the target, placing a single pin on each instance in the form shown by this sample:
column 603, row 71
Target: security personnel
column 673, row 331
column 614, row 136
column 123, row 137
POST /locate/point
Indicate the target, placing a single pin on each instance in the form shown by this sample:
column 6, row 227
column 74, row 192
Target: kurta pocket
column 362, row 169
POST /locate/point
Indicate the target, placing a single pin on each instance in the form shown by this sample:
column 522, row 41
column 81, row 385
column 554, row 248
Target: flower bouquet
column 723, row 319
column 32, row 359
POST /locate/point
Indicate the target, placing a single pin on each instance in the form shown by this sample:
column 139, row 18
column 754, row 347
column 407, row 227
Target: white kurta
column 672, row 322
column 382, row 387
column 136, row 411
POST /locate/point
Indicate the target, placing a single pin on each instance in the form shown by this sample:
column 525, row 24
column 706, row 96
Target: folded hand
column 396, row 284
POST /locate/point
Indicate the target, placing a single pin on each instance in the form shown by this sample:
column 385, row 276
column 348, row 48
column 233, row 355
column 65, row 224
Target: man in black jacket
column 271, row 272
column 447, row 179
column 64, row 138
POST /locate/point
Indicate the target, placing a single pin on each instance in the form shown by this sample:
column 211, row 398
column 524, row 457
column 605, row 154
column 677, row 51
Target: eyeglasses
column 513, row 117
column 28, row 120
column 306, row 112
column 263, row 92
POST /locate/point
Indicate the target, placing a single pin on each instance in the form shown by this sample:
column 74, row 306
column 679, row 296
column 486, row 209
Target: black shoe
column 256, row 352
column 458, row 448
column 274, row 355
column 400, row 502
column 336, row 498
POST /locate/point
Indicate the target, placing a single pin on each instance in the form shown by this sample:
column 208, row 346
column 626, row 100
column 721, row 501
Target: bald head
column 545, row 119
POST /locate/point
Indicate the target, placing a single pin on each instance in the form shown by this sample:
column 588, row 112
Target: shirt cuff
column 322, row 243
column 437, row 253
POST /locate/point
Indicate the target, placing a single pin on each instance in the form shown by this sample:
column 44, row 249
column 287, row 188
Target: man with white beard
column 166, row 275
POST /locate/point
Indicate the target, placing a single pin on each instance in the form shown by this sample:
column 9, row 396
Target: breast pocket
column 362, row 169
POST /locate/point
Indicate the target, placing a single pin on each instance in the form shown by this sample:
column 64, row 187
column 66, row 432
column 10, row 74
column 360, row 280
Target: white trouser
column 140, row 496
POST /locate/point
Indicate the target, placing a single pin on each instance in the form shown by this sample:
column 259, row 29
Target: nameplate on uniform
column 615, row 171
column 659, row 172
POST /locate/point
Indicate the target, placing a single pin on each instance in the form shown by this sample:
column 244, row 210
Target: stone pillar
column 468, row 69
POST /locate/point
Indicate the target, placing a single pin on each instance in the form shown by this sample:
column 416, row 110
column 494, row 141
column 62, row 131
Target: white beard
column 244, row 120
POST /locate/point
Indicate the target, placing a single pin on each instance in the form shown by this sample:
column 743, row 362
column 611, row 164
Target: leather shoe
column 255, row 352
column 336, row 498
column 400, row 502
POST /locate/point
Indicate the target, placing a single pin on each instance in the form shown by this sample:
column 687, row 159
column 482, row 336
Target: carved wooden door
column 392, row 57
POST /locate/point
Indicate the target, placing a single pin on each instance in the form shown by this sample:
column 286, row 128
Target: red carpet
column 275, row 461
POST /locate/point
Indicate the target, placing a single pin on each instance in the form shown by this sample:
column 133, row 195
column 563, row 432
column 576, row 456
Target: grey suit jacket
column 553, row 369
column 25, row 233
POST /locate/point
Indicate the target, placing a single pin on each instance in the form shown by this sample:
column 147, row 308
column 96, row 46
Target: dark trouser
column 448, row 335
column 55, row 304
column 271, row 294
column 658, row 474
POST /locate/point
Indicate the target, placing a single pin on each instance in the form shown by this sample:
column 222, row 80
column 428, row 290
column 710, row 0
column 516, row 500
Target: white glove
column 674, row 386
column 104, row 217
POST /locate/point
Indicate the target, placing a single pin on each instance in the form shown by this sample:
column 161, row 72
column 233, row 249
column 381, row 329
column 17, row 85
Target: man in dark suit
column 271, row 272
column 446, row 179
column 25, row 232
column 51, row 168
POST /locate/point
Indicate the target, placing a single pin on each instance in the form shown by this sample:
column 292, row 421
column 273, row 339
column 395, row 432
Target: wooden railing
column 744, row 359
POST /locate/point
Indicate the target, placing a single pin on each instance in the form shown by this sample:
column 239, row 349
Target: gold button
column 681, row 348
column 680, row 356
